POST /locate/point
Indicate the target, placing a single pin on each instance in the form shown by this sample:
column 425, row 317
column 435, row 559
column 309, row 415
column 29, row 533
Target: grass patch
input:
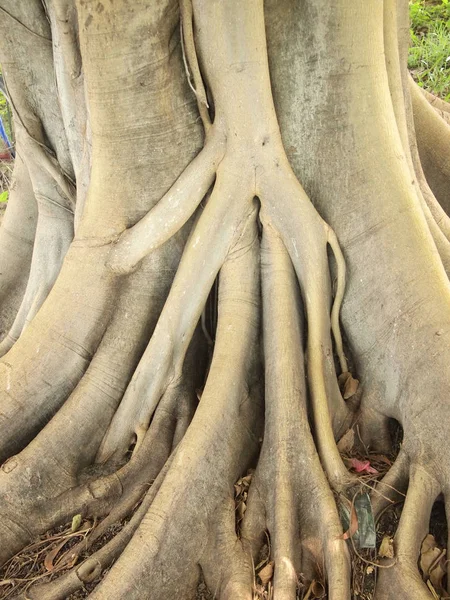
column 429, row 54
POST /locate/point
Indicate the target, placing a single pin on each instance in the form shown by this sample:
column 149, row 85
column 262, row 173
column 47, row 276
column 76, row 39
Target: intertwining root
column 192, row 498
column 303, row 539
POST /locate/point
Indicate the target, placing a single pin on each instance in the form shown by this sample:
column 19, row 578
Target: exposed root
column 306, row 544
column 90, row 493
column 396, row 41
column 403, row 579
column 92, row 567
column 54, row 234
column 178, row 204
column 392, row 487
column 224, row 430
column 60, row 457
column 16, row 243
column 208, row 245
column 441, row 106
column 338, row 298
column 254, row 163
column 28, row 403
column 433, row 140
column 191, row 62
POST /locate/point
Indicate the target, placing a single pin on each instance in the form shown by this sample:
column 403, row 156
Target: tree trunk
column 226, row 215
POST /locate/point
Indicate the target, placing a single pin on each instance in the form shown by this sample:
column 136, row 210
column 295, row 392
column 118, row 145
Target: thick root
column 16, row 243
column 254, row 164
column 402, row 579
column 171, row 212
column 92, row 567
column 224, row 429
column 433, row 140
column 210, row 241
column 306, row 542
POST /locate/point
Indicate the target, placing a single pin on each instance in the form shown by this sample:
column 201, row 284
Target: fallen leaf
column 361, row 466
column 50, row 557
column 346, row 442
column 353, row 528
column 76, row 523
column 387, row 548
column 241, row 510
column 433, row 564
column 315, row 590
column 266, row 573
column 348, row 385
column 65, row 559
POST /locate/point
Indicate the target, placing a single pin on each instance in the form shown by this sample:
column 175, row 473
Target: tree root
column 27, row 404
column 205, row 252
column 289, row 477
column 393, row 486
column 433, row 140
column 92, row 567
column 254, row 164
column 16, row 243
column 245, row 155
column 224, row 429
column 402, row 580
column 54, row 233
column 89, row 493
column 179, row 202
column 396, row 42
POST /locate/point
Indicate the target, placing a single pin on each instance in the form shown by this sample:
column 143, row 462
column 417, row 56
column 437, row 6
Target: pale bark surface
column 224, row 214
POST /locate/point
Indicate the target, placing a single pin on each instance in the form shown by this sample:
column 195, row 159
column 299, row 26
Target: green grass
column 429, row 55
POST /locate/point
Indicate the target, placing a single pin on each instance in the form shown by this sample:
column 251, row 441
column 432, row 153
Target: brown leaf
column 433, row 564
column 346, row 442
column 247, row 480
column 315, row 590
column 266, row 573
column 241, row 508
column 348, row 385
column 353, row 525
column 387, row 548
column 50, row 557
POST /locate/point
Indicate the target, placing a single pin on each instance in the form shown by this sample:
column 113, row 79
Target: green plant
column 429, row 56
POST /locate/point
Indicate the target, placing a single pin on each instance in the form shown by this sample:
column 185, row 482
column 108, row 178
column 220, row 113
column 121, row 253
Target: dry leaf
column 266, row 573
column 346, row 442
column 353, row 525
column 315, row 590
column 433, row 564
column 348, row 385
column 241, row 508
column 387, row 548
column 50, row 557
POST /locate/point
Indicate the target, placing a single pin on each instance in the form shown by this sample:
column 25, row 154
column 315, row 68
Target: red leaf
column 362, row 466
